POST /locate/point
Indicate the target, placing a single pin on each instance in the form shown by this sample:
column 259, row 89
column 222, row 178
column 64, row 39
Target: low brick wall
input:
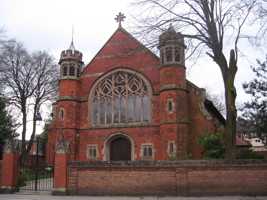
column 179, row 178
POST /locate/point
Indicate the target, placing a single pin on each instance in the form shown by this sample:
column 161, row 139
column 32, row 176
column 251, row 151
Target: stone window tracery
column 119, row 98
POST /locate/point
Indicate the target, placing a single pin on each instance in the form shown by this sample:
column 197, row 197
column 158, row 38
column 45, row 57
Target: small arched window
column 65, row 70
column 78, row 72
column 120, row 98
column 162, row 56
column 72, row 70
column 169, row 56
column 61, row 114
column 177, row 54
column 170, row 105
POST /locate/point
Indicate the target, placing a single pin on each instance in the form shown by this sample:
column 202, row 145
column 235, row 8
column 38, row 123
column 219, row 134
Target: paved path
column 46, row 196
column 45, row 184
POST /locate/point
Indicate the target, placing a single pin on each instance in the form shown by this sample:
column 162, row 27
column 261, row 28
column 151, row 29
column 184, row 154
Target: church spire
column 72, row 43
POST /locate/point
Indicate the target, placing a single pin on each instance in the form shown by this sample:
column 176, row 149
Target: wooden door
column 120, row 149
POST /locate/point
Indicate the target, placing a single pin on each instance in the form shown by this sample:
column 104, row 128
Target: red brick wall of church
column 150, row 134
column 200, row 124
column 139, row 136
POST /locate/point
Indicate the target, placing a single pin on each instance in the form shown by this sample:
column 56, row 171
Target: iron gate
column 35, row 174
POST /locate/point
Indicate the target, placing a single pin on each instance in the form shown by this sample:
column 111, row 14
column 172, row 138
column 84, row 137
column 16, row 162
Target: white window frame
column 171, row 154
column 170, row 101
column 164, row 55
column 143, row 146
column 92, row 146
column 61, row 114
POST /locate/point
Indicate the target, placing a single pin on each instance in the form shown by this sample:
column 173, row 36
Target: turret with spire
column 67, row 105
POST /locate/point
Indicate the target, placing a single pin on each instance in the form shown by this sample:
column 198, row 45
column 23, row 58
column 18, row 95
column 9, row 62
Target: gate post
column 9, row 169
column 60, row 168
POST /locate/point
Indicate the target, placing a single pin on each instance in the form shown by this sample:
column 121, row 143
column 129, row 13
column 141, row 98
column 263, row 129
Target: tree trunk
column 231, row 113
column 23, row 134
column 230, row 128
column 27, row 149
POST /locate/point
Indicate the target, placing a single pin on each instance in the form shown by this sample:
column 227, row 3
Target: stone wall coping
column 168, row 164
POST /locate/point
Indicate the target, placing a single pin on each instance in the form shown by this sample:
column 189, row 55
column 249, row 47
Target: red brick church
column 130, row 104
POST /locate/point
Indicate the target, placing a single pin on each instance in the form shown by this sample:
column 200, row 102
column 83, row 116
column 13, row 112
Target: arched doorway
column 119, row 147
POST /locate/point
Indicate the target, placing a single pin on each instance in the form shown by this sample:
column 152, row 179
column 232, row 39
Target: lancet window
column 121, row 98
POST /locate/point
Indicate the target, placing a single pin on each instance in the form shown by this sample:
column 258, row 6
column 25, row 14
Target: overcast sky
column 47, row 25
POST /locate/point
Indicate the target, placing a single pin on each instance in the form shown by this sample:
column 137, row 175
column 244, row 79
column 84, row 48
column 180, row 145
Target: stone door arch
column 119, row 147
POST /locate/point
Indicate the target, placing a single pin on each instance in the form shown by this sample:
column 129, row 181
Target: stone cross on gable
column 120, row 18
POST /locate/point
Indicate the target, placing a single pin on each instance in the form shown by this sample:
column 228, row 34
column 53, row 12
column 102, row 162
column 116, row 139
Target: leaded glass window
column 147, row 151
column 72, row 70
column 92, row 152
column 119, row 98
column 177, row 54
column 169, row 56
column 65, row 70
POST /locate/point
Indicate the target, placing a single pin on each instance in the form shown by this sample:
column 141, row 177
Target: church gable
column 122, row 50
column 122, row 45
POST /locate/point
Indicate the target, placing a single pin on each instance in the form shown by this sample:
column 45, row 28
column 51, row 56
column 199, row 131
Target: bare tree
column 217, row 100
column 207, row 23
column 29, row 81
column 261, row 16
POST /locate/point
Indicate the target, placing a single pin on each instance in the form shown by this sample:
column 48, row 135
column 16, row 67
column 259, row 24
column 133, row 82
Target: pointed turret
column 171, row 45
column 70, row 63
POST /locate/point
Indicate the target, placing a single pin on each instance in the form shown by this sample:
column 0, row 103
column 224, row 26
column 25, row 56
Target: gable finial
column 72, row 43
column 120, row 18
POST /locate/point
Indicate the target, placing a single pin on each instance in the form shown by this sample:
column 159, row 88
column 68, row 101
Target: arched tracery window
column 121, row 97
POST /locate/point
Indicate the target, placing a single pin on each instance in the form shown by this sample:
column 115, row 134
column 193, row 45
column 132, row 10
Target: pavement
column 47, row 196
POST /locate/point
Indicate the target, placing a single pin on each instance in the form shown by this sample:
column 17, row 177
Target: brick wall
column 182, row 178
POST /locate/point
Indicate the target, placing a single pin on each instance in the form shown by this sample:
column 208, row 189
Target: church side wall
column 201, row 122
column 183, row 178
